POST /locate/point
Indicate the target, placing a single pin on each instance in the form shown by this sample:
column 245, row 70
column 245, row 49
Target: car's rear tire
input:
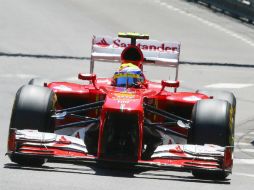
column 212, row 124
column 220, row 95
column 32, row 110
column 38, row 81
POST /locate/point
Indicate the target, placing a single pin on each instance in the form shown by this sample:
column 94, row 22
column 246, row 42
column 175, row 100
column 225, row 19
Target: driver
column 128, row 75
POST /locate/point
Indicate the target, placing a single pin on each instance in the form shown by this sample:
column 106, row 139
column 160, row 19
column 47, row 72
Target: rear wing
column 109, row 49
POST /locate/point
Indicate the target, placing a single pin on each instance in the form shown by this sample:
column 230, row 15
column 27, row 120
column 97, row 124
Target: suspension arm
column 159, row 126
column 165, row 114
column 77, row 124
column 84, row 106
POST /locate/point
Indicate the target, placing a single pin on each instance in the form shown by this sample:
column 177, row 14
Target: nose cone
column 124, row 102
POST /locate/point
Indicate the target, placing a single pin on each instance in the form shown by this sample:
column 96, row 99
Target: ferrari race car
column 126, row 119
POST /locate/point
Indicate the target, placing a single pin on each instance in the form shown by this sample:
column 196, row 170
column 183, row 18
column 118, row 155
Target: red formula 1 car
column 125, row 119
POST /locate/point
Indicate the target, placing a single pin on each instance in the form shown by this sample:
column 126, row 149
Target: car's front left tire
column 212, row 124
column 32, row 109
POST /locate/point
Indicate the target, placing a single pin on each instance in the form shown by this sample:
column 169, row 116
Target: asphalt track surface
column 52, row 39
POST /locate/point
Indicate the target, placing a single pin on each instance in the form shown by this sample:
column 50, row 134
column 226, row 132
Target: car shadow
column 92, row 169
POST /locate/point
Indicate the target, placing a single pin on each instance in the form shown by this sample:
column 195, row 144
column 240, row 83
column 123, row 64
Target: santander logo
column 117, row 43
column 103, row 42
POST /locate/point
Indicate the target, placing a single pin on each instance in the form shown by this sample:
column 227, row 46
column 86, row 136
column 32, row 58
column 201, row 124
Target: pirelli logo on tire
column 231, row 126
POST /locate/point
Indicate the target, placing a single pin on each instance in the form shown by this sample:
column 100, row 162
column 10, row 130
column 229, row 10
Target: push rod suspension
column 77, row 124
column 163, row 129
column 84, row 106
column 165, row 114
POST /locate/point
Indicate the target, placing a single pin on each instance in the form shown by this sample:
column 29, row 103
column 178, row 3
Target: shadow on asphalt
column 125, row 173
column 47, row 56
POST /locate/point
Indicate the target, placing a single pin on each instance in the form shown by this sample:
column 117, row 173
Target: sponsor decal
column 103, row 42
column 77, row 135
column 123, row 101
column 162, row 47
column 62, row 140
column 118, row 43
column 124, row 95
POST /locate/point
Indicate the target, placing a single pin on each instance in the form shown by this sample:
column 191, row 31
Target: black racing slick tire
column 231, row 99
column 32, row 110
column 212, row 124
column 220, row 95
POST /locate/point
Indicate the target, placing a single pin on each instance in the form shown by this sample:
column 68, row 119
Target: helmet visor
column 126, row 79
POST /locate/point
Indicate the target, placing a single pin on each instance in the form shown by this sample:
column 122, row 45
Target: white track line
column 249, row 150
column 244, row 144
column 20, row 75
column 208, row 23
column 244, row 161
column 243, row 174
column 239, row 134
column 229, row 85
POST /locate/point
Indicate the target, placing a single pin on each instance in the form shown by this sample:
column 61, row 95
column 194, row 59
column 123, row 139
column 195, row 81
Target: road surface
column 52, row 39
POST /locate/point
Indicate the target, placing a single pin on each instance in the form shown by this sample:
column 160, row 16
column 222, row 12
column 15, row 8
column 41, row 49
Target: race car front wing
column 61, row 148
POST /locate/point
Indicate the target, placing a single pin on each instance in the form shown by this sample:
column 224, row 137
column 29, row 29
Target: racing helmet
column 128, row 75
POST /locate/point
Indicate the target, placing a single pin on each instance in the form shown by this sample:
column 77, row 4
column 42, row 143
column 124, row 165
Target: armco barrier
column 236, row 8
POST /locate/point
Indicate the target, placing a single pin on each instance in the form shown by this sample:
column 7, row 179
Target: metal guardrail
column 243, row 9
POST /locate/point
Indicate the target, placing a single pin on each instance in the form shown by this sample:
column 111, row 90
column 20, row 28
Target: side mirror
column 90, row 77
column 169, row 83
